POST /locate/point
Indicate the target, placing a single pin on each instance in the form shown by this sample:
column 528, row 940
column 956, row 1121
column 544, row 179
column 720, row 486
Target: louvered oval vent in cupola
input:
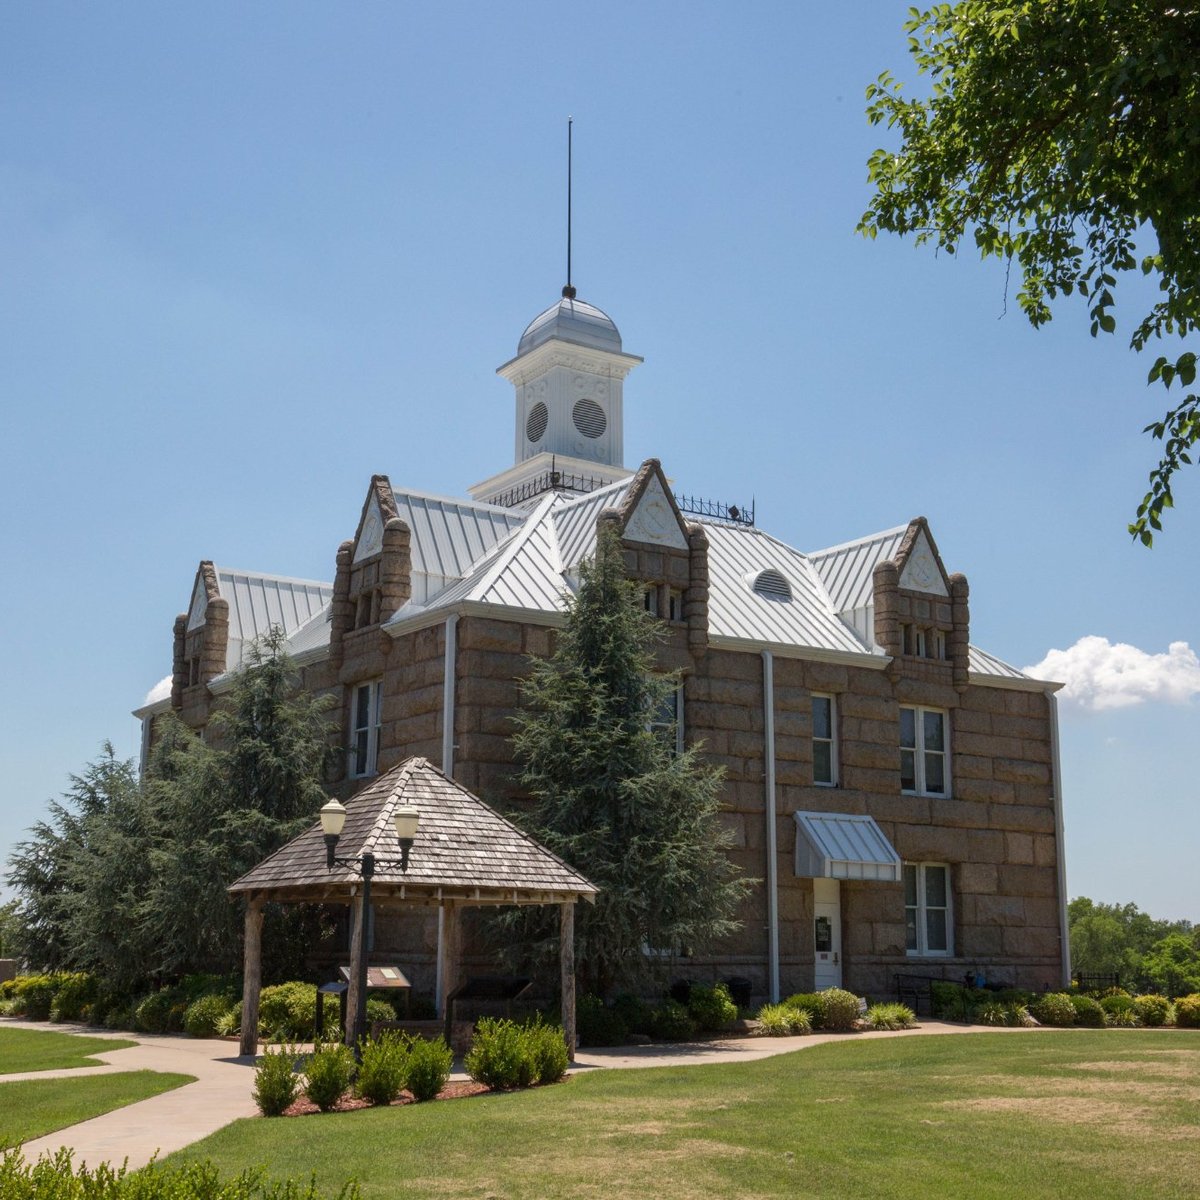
column 771, row 585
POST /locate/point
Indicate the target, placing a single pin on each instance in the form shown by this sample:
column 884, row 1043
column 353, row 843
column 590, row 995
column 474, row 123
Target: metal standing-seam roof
column 843, row 846
column 736, row 556
column 259, row 603
column 449, row 535
column 980, row 662
column 463, row 850
column 846, row 570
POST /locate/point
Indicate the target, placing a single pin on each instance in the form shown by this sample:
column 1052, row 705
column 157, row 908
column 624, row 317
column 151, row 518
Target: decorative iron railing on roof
column 549, row 481
column 554, row 480
column 717, row 511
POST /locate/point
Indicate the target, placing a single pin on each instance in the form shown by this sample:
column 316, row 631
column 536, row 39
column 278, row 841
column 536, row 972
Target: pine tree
column 612, row 797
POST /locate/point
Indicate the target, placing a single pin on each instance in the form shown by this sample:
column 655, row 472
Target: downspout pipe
column 769, row 818
column 1060, row 843
column 450, row 660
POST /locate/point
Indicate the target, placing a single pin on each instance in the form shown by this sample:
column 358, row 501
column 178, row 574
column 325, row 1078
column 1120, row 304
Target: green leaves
column 1055, row 135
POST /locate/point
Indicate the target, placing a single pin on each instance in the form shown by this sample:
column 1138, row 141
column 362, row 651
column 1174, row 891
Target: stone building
column 894, row 788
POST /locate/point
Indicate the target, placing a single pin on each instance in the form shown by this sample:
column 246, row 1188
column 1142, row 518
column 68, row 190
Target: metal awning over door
column 843, row 846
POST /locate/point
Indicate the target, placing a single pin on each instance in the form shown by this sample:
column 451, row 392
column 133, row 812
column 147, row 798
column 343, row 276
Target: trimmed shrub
column 160, row 1012
column 547, row 1051
column 1119, row 1009
column 230, row 1022
column 202, row 1017
column 1152, row 1011
column 891, row 1016
column 34, row 996
column 275, row 1081
column 839, row 1009
column 781, row 1020
column 671, row 1022
column 1088, row 1012
column 120, row 1016
column 806, row 1002
column 497, row 1057
column 1187, row 1011
column 428, row 1067
column 384, row 1068
column 633, row 1012
column 377, row 1010
column 74, row 993
column 1054, row 1008
column 597, row 1024
column 327, row 1074
column 289, row 1011
column 712, row 1008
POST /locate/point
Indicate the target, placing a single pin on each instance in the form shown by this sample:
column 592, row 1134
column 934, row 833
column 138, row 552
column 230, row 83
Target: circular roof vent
column 771, row 585
column 589, row 418
column 536, row 422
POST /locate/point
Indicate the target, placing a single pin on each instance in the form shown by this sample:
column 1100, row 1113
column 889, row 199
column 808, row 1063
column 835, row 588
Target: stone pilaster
column 215, row 650
column 960, row 632
column 341, row 608
column 887, row 607
column 395, row 568
column 179, row 670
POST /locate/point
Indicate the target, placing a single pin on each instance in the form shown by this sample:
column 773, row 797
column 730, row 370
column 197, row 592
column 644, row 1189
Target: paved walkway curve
column 224, row 1083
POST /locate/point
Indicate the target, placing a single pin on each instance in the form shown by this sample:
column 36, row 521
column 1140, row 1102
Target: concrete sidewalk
column 225, row 1081
column 160, row 1124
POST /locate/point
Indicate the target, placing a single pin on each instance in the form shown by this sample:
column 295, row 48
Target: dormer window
column 771, row 585
column 650, row 599
column 674, row 604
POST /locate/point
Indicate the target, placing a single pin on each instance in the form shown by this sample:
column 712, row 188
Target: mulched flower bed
column 351, row 1103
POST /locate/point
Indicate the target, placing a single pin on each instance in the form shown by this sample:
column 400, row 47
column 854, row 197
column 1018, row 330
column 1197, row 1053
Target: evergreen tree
column 611, row 796
column 127, row 878
column 223, row 804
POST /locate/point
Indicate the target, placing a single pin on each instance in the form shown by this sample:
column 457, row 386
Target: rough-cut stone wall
column 995, row 829
column 493, row 657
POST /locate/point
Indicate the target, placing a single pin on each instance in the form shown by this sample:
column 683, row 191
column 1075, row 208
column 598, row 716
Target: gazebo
column 464, row 854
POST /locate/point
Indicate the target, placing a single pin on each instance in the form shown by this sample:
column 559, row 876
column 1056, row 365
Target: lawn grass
column 47, row 1050
column 30, row 1108
column 1071, row 1113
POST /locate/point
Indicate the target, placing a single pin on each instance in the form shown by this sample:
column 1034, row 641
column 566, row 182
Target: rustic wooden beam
column 566, row 957
column 251, row 976
column 356, row 942
column 450, row 931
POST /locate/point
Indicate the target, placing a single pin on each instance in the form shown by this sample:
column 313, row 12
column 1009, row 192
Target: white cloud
column 1100, row 674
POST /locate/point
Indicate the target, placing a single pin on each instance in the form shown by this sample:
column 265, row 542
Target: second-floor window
column 824, row 741
column 667, row 720
column 366, row 707
column 924, row 753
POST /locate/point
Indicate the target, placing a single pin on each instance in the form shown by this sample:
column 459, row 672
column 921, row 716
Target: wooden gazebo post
column 251, row 975
column 357, row 917
column 566, row 956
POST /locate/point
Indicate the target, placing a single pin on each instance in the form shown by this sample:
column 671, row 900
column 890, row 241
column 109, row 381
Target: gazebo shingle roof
column 463, row 850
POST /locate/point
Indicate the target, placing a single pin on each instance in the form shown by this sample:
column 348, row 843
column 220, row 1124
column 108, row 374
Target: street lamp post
column 333, row 819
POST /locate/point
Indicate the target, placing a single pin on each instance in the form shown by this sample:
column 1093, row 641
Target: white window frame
column 832, row 740
column 922, row 908
column 920, row 753
column 674, row 604
column 659, row 727
column 366, row 734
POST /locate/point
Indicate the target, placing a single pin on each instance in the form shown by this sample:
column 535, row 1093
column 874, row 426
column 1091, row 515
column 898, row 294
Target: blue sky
column 252, row 254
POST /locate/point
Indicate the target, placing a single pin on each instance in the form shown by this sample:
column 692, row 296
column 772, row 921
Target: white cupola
column 568, row 373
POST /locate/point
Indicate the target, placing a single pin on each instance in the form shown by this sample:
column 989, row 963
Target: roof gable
column 204, row 589
column 649, row 513
column 378, row 508
column 920, row 564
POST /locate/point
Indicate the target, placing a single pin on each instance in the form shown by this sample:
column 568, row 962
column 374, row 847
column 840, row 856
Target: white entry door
column 827, row 934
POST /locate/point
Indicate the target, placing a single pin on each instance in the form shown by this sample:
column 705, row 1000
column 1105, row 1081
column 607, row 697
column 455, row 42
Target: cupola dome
column 571, row 320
